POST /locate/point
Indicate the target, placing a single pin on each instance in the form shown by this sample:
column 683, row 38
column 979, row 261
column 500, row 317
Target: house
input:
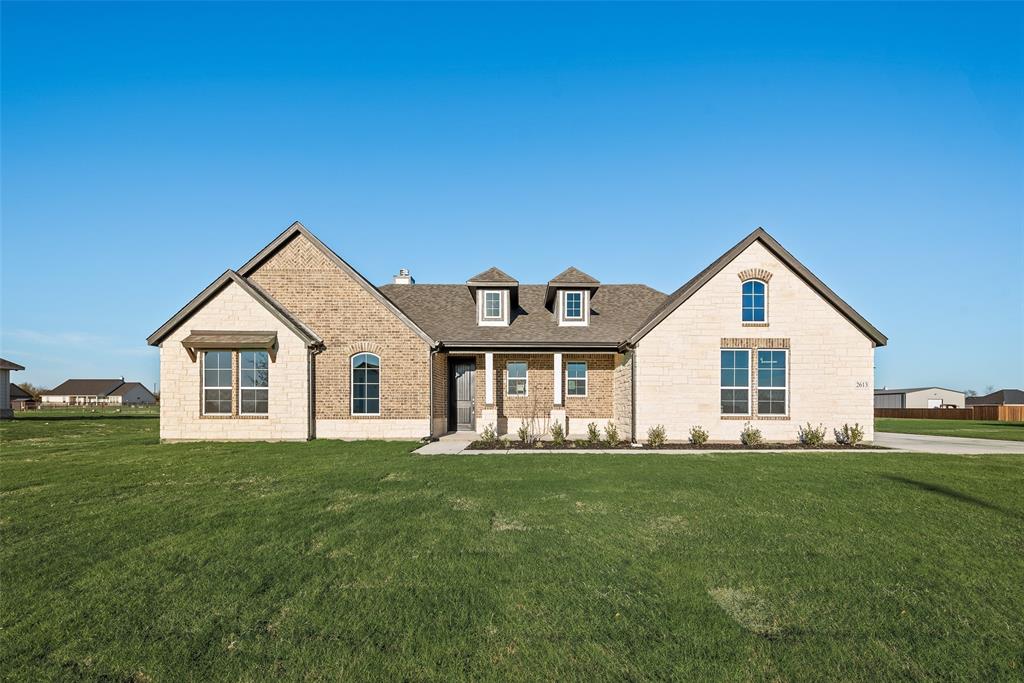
column 297, row 344
column 21, row 399
column 1003, row 397
column 6, row 367
column 98, row 392
column 919, row 397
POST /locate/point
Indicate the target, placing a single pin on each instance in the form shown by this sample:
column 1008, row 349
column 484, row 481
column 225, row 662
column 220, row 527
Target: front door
column 462, row 408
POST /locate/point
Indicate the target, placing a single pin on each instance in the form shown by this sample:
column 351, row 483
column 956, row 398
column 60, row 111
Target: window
column 365, row 384
column 517, row 379
column 574, row 305
column 216, row 383
column 753, row 301
column 253, row 382
column 771, row 382
column 576, row 384
column 735, row 382
column 492, row 305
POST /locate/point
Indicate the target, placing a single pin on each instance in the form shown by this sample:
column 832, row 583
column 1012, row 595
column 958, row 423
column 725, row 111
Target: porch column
column 489, row 379
column 557, row 384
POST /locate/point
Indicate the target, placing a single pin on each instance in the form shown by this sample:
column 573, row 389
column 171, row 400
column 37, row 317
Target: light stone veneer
column 232, row 309
column 365, row 428
column 831, row 362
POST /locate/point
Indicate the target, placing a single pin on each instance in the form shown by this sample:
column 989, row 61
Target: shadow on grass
column 98, row 416
column 952, row 493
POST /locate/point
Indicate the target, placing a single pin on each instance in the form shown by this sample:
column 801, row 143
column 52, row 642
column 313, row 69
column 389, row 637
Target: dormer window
column 574, row 305
column 492, row 305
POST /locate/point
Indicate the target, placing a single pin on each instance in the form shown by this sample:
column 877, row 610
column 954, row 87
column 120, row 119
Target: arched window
column 754, row 301
column 365, row 384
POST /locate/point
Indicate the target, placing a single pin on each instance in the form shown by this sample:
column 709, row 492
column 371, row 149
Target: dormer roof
column 492, row 277
column 570, row 278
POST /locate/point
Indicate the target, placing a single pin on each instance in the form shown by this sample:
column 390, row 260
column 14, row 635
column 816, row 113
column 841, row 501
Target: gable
column 297, row 260
column 766, row 251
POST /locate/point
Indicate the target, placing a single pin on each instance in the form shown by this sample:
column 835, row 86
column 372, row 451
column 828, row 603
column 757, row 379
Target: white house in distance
column 5, row 387
column 919, row 397
column 98, row 392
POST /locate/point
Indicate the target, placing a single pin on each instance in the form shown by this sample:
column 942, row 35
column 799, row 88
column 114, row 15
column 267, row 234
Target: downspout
column 632, row 395
column 311, row 353
column 430, row 391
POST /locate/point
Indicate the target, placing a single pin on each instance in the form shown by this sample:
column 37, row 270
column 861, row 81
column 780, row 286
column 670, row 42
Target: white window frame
column 509, row 378
column 565, row 302
column 585, row 380
column 748, row 386
column 501, row 305
column 785, row 388
column 242, row 389
column 755, row 322
column 352, row 385
column 231, row 379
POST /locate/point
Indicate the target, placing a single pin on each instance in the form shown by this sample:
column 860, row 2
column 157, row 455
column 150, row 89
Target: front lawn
column 978, row 429
column 125, row 559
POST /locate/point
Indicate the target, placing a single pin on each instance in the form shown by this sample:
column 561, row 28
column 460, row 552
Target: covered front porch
column 510, row 389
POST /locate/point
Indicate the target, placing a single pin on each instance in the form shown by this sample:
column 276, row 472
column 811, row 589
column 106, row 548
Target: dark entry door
column 462, row 409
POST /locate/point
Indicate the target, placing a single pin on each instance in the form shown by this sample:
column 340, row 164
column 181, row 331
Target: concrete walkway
column 449, row 444
column 956, row 445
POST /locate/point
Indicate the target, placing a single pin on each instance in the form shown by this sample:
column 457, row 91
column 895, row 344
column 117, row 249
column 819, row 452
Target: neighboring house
column 919, row 397
column 98, row 392
column 1003, row 397
column 20, row 399
column 297, row 344
column 6, row 367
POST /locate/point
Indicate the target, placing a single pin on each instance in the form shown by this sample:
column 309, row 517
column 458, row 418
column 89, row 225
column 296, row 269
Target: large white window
column 735, row 381
column 492, row 306
column 574, row 305
column 253, row 382
column 517, row 378
column 772, row 383
column 576, row 379
column 216, row 383
column 365, row 384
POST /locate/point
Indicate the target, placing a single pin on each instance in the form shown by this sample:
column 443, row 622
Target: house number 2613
column 862, row 385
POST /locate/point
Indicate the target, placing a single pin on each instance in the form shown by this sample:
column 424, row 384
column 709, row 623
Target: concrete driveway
column 920, row 443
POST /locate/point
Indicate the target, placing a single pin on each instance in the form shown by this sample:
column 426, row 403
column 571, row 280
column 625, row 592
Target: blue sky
column 147, row 147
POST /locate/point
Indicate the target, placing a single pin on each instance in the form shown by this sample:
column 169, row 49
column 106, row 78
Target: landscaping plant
column 489, row 436
column 593, row 434
column 656, row 436
column 558, row 434
column 849, row 436
column 698, row 435
column 811, row 436
column 751, row 435
column 611, row 434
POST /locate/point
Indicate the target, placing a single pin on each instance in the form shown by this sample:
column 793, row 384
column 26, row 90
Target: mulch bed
column 626, row 446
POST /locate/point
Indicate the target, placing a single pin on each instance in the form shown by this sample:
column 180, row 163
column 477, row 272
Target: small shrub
column 611, row 434
column 656, row 436
column 751, row 435
column 849, row 436
column 524, row 433
column 811, row 436
column 489, row 436
column 593, row 434
column 558, row 434
column 698, row 435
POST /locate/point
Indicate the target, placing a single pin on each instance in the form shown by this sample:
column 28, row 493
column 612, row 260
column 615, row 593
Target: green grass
column 122, row 558
column 978, row 429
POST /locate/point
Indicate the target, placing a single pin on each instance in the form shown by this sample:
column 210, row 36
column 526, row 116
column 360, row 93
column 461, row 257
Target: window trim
column 565, row 305
column 586, row 378
column 241, row 388
column 509, row 378
column 748, row 386
column 352, row 385
column 764, row 283
column 501, row 306
column 784, row 388
column 230, row 387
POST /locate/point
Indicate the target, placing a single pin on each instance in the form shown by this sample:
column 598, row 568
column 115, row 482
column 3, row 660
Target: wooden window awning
column 205, row 340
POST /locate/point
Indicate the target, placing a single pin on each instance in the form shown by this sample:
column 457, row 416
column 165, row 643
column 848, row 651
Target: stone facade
column 622, row 393
column 678, row 362
column 350, row 321
column 181, row 419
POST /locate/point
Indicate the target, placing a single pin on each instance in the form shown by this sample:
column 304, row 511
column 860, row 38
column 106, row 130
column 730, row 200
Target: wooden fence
column 991, row 413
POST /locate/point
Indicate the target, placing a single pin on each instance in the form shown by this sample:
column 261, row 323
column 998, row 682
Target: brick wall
column 831, row 362
column 350, row 320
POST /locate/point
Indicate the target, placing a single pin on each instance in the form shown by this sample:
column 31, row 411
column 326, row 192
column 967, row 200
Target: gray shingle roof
column 573, row 276
column 448, row 313
column 882, row 392
column 128, row 386
column 1011, row 397
column 494, row 275
column 85, row 387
